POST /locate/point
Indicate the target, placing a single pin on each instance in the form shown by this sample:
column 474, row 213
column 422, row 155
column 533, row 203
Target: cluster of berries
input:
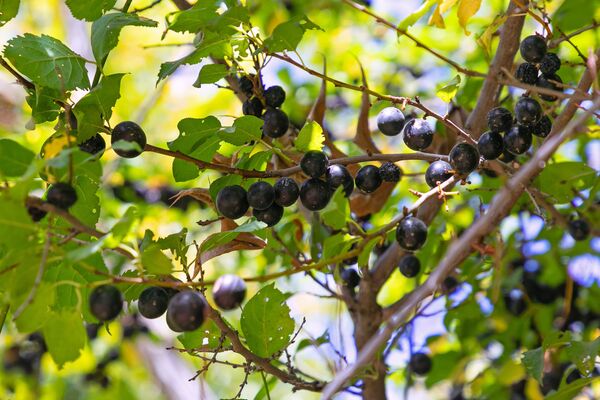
column 265, row 104
column 540, row 67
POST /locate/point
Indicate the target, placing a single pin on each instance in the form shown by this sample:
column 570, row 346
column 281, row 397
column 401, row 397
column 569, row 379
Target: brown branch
column 554, row 43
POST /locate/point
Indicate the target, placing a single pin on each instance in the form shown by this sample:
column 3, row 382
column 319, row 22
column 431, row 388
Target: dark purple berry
column 286, row 192
column 270, row 216
column 246, row 86
column 61, row 195
column 579, row 229
column 420, row 363
column 315, row 194
column 153, row 302
column 499, row 119
column 36, row 214
column 260, row 195
column 314, row 163
column 274, row 96
column 350, row 277
column 411, row 233
column 390, row 121
column 514, row 301
column 276, row 123
column 229, row 291
column 106, row 302
column 527, row 111
column 449, row 284
column 543, row 127
column 94, row 145
column 418, row 134
column 506, row 156
column 527, row 73
column 437, row 173
column 253, row 106
column 131, row 137
column 533, row 48
column 464, row 158
column 368, row 179
column 338, row 175
column 232, row 202
column 550, row 64
column 551, row 82
column 490, row 145
column 390, row 172
column 186, row 310
column 518, row 139
column 409, row 266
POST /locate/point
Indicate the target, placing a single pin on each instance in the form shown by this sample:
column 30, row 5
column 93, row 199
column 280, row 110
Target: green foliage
column 287, row 36
column 89, row 10
column 559, row 180
column 8, row 10
column 310, row 137
column 65, row 336
column 14, row 158
column 211, row 73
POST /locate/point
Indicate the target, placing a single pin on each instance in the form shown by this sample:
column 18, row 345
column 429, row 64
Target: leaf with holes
column 8, row 10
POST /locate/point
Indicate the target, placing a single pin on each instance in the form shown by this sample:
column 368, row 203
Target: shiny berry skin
column 61, row 195
column 246, row 86
column 499, row 119
column 418, row 134
column 579, row 229
column 438, row 171
column 490, row 145
column 186, row 310
column 286, row 191
column 232, row 202
column 527, row 73
column 253, row 106
column 518, row 139
column 533, row 48
column 36, row 214
column 260, row 195
column 390, row 121
column 350, row 277
column 314, row 163
column 543, row 127
column 315, row 194
column 449, row 284
column 274, row 96
column 106, row 302
column 270, row 216
column 338, row 175
column 527, row 111
column 172, row 325
column 129, row 132
column 94, row 145
column 229, row 292
column 368, row 179
column 153, row 302
column 411, row 233
column 550, row 82
column 409, row 266
column 276, row 123
column 464, row 158
column 390, row 172
column 420, row 363
column 550, row 64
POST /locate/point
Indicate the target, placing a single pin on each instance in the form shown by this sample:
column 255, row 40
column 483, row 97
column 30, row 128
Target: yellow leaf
column 466, row 9
column 485, row 39
column 445, row 5
column 437, row 19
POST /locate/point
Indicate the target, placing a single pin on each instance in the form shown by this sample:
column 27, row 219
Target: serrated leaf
column 211, row 73
column 96, row 107
column 46, row 61
column 14, row 158
column 448, row 91
column 64, row 335
column 335, row 245
column 89, row 10
column 287, row 35
column 106, row 30
column 198, row 138
column 245, row 129
column 43, row 103
column 533, row 360
column 256, row 162
column 310, row 137
column 266, row 322
column 466, row 9
column 176, row 243
column 8, row 10
column 195, row 18
column 155, row 261
column 560, row 180
column 583, row 355
column 416, row 15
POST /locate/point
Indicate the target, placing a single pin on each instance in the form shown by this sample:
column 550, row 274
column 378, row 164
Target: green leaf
column 416, row 15
column 89, row 10
column 43, row 103
column 198, row 138
column 266, row 322
column 448, row 91
column 211, row 73
column 570, row 391
column 573, row 14
column 106, row 30
column 221, row 238
column 8, row 10
column 227, row 180
column 155, row 261
column 287, row 36
column 64, row 334
column 365, row 254
column 184, row 171
column 177, row 244
column 204, row 16
column 16, row 228
column 14, row 158
column 534, row 362
column 46, row 61
column 245, row 129
column 310, row 137
column 35, row 315
column 560, row 180
column 337, row 212
column 207, row 336
column 96, row 107
column 583, row 355
column 122, row 228
column 256, row 162
column 335, row 245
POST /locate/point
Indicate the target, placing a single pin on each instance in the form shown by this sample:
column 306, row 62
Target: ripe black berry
column 61, row 195
column 506, row 156
column 153, row 302
column 518, row 139
column 276, row 123
column 449, row 284
column 411, row 233
column 514, row 301
column 527, row 73
column 464, row 158
column 490, row 145
column 527, row 111
column 409, row 266
column 543, row 127
column 390, row 172
column 106, row 302
column 260, row 195
column 274, row 96
column 350, row 277
column 418, row 134
column 420, row 363
column 286, row 192
column 579, row 229
column 232, row 202
column 338, row 175
column 270, row 216
column 551, row 82
column 94, row 145
column 229, row 291
column 36, row 214
column 252, row 106
column 368, row 179
column 550, row 64
column 172, row 325
column 390, row 121
column 438, row 172
column 315, row 194
column 533, row 48
column 314, row 163
column 499, row 119
column 186, row 310
column 246, row 86
column 133, row 136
